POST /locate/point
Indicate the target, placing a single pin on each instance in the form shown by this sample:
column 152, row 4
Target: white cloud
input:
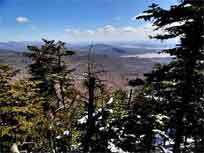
column 72, row 31
column 111, row 33
column 91, row 32
column 130, row 29
column 107, row 29
column 68, row 30
column 21, row 19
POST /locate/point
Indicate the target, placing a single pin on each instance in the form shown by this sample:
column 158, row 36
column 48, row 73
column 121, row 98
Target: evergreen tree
column 49, row 68
column 6, row 118
column 181, row 82
column 21, row 113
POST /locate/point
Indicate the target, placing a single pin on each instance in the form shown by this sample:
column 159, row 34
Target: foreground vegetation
column 46, row 112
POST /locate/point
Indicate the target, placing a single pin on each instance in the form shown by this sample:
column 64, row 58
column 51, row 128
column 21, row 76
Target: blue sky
column 74, row 20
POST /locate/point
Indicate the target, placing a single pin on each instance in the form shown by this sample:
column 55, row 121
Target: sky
column 75, row 20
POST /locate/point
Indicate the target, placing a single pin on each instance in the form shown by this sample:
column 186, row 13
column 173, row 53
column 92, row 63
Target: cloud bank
column 110, row 32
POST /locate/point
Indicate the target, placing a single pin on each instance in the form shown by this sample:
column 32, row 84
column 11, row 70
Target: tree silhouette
column 184, row 76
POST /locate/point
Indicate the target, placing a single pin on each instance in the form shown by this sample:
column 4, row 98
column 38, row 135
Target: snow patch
column 66, row 133
column 187, row 5
column 140, row 14
column 58, row 137
column 83, row 119
column 114, row 149
column 110, row 101
column 101, row 128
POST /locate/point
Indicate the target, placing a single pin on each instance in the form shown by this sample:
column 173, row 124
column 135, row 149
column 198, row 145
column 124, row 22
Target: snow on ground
column 114, row 149
column 66, row 133
column 83, row 119
column 110, row 101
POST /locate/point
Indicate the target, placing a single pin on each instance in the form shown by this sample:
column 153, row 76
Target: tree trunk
column 149, row 137
column 130, row 98
column 202, row 141
column 179, row 133
column 196, row 143
column 185, row 143
column 91, row 109
column 186, row 98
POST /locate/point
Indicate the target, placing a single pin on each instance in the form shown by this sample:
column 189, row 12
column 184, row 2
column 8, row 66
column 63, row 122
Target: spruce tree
column 21, row 112
column 181, row 81
column 49, row 67
column 6, row 118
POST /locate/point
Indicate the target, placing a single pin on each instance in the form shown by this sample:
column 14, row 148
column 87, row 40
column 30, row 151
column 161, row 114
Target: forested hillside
column 50, row 110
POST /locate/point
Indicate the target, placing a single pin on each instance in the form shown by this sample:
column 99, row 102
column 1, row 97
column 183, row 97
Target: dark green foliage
column 51, row 71
column 6, row 119
column 48, row 61
column 20, row 110
column 180, row 83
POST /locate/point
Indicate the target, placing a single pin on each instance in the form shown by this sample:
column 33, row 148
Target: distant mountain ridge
column 103, row 49
column 17, row 46
column 109, row 49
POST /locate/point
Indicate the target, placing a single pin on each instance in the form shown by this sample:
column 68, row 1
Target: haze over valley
column 120, row 61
